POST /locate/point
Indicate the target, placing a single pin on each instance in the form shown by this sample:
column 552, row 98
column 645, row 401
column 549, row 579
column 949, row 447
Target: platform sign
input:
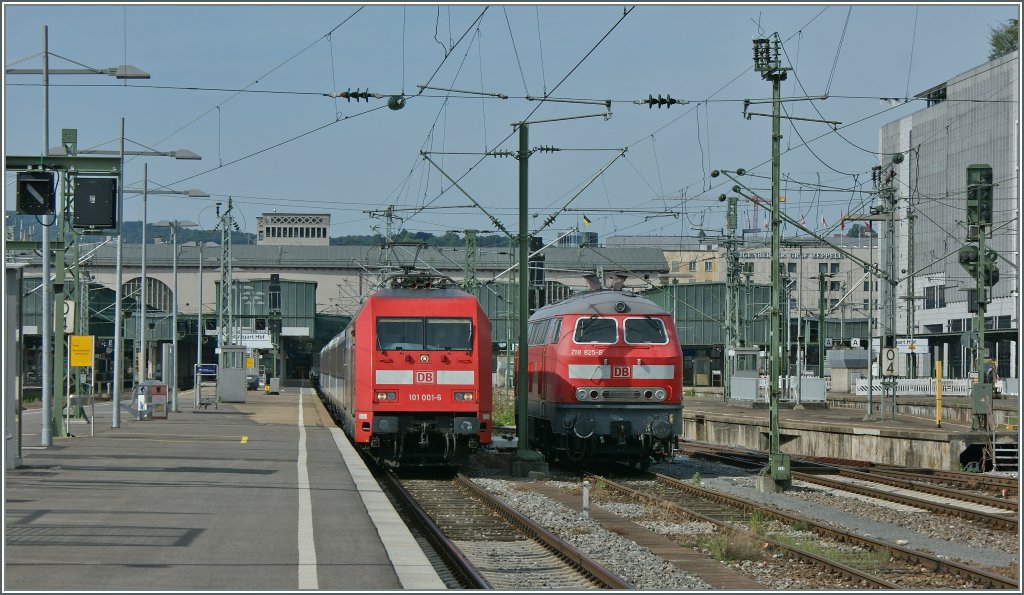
column 80, row 351
column 887, row 361
column 914, row 345
column 248, row 363
column 206, row 369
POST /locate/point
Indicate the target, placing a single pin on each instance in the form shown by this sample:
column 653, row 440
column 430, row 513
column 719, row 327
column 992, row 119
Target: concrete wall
column 879, row 445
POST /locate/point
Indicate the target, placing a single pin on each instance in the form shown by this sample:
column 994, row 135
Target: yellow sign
column 248, row 363
column 80, row 351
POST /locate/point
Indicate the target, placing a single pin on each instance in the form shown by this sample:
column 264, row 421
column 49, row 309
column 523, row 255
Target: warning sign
column 80, row 351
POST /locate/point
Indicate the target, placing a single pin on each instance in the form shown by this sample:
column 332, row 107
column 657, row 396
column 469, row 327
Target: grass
column 726, row 548
column 503, row 407
column 758, row 522
column 868, row 560
column 696, row 478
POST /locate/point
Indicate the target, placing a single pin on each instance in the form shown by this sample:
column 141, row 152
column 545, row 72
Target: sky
column 248, row 88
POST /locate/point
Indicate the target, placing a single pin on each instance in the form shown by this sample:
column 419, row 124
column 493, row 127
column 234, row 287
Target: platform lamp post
column 183, row 154
column 192, row 193
column 174, row 225
column 123, row 72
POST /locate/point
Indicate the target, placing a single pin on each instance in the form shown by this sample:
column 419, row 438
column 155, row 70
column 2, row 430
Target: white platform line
column 307, row 547
column 411, row 565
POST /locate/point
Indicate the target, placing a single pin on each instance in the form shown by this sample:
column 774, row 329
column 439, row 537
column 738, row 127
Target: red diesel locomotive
column 605, row 379
column 410, row 376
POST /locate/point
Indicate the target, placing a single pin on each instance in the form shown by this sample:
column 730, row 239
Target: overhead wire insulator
column 666, row 101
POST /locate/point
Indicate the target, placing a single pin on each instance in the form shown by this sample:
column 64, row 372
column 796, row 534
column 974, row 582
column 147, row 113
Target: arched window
column 159, row 297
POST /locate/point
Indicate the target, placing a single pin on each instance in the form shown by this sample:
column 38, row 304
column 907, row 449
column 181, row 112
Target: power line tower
column 225, row 316
column 766, row 61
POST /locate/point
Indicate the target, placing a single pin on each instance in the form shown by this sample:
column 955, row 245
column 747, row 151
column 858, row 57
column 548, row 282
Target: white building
column 973, row 118
column 293, row 229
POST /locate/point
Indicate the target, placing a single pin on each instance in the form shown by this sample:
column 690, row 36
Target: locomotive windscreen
column 645, row 331
column 596, row 330
column 425, row 334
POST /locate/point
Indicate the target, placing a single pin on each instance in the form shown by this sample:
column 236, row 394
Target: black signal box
column 95, row 203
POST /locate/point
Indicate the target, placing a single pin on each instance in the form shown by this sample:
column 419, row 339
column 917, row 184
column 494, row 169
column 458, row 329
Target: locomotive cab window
column 425, row 334
column 645, row 331
column 596, row 330
column 399, row 333
column 449, row 334
column 556, row 328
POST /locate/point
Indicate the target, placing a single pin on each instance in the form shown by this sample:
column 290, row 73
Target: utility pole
column 887, row 197
column 525, row 458
column 821, row 322
column 981, row 264
column 732, row 272
column 470, row 282
column 224, row 310
column 46, row 329
column 911, row 290
column 776, row 477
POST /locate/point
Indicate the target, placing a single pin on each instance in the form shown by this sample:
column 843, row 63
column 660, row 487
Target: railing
column 919, row 386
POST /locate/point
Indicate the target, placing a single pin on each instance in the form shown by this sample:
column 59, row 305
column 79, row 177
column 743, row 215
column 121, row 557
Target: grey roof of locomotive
column 600, row 302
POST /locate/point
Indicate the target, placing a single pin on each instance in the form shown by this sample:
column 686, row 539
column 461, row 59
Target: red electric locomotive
column 605, row 379
column 410, row 376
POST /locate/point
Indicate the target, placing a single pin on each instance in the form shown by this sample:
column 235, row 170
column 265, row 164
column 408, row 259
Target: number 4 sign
column 888, row 361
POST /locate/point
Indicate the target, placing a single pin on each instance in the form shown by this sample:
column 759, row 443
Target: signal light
column 387, row 396
column 35, row 193
column 464, row 396
column 979, row 194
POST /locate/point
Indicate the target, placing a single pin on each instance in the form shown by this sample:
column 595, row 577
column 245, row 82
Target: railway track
column 998, row 513
column 491, row 546
column 909, row 568
column 958, row 479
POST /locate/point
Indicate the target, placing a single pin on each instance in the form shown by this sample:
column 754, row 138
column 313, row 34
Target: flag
column 586, row 221
column 823, row 222
column 842, row 224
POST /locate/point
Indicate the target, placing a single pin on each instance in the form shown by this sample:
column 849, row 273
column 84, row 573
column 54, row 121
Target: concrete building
column 972, row 118
column 293, row 229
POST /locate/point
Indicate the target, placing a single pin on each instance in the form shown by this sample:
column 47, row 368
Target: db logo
column 425, row 377
column 620, row 371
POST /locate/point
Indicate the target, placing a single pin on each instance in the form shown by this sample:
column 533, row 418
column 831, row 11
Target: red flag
column 823, row 222
column 842, row 224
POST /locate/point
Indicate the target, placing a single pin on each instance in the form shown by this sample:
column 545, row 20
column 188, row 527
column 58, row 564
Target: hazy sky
column 246, row 86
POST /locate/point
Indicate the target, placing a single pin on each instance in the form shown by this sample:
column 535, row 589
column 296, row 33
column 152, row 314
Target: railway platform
column 840, row 430
column 265, row 495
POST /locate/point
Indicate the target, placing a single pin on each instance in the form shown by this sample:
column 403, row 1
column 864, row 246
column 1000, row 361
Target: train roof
column 601, row 301
column 408, row 292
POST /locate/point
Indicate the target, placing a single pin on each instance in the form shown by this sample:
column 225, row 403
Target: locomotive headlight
column 581, row 394
column 424, row 358
column 464, row 396
column 659, row 394
column 386, row 396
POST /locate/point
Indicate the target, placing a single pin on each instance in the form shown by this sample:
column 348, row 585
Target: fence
column 921, row 386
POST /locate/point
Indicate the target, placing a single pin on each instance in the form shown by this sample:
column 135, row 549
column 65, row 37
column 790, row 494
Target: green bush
column 503, row 408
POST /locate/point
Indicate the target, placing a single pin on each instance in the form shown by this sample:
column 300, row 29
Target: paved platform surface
column 264, row 495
